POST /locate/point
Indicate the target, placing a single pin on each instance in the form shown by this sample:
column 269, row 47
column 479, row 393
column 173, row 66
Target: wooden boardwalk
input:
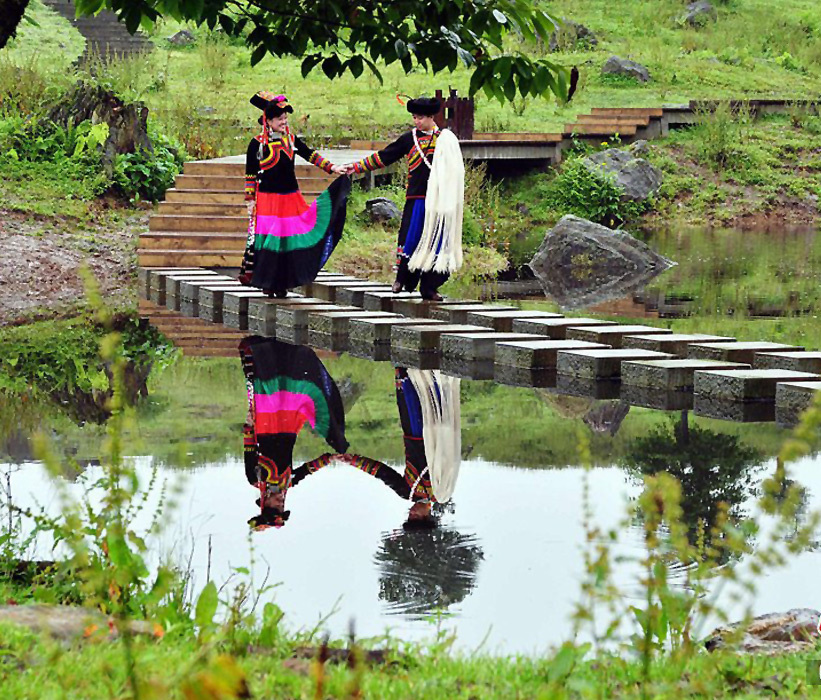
column 206, row 313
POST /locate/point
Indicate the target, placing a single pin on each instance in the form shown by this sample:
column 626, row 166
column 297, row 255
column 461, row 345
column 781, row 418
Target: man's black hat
column 426, row 106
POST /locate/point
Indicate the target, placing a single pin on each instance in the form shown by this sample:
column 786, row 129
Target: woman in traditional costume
column 430, row 416
column 288, row 240
column 430, row 235
column 287, row 387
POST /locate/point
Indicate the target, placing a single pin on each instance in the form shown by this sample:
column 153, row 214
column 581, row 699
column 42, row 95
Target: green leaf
column 356, row 66
column 206, row 606
column 259, row 54
column 332, row 66
column 500, row 17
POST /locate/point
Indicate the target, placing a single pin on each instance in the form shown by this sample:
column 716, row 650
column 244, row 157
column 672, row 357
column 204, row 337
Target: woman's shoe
column 280, row 293
column 397, row 287
column 433, row 297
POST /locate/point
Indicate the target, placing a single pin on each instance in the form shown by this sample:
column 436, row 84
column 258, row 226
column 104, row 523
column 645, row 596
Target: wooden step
column 230, row 169
column 638, row 120
column 224, row 182
column 194, row 240
column 600, row 129
column 215, row 196
column 201, row 208
column 213, row 258
column 364, row 145
column 494, row 136
column 217, row 224
column 630, row 111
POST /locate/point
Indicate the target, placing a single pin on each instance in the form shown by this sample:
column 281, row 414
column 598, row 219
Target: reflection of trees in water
column 421, row 570
column 711, row 467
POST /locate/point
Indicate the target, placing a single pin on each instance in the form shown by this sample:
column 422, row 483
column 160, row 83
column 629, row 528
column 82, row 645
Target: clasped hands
column 347, row 169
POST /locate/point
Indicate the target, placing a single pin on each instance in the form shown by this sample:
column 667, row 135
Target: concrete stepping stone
column 383, row 301
column 502, row 321
column 799, row 360
column 736, row 411
column 367, row 333
column 292, row 320
column 326, row 277
column 327, row 289
column 355, row 296
column 605, row 389
column 612, row 335
column 480, row 370
column 174, row 287
column 555, row 328
column 674, row 343
column 478, row 346
column 262, row 313
column 524, row 376
column 159, row 283
column 745, row 384
column 235, row 307
column 453, row 312
column 426, row 337
column 329, row 329
column 538, row 354
column 741, row 351
column 211, row 299
column 189, row 293
column 658, row 399
column 418, row 307
column 669, row 375
column 402, row 357
column 602, row 363
column 144, row 276
column 792, row 399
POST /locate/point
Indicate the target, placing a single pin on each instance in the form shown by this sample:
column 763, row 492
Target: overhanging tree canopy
column 341, row 36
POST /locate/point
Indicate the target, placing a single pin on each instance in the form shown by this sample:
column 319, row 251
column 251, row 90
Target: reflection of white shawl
column 441, row 428
column 444, row 206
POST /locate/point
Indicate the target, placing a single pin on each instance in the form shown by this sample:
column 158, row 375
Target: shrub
column 148, row 174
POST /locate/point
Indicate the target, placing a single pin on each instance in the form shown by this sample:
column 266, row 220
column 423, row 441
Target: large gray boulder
column 698, row 14
column 382, row 209
column 571, row 35
column 182, row 38
column 615, row 65
column 580, row 263
column 638, row 178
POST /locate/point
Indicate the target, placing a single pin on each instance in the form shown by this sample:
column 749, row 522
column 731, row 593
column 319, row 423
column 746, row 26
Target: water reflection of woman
column 288, row 386
column 429, row 413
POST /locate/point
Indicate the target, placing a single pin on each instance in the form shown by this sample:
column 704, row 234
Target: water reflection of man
column 287, row 387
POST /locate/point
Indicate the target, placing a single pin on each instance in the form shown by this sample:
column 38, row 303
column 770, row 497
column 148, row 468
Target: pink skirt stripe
column 286, row 401
column 283, row 226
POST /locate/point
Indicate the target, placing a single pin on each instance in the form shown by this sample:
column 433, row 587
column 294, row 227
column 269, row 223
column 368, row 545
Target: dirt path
column 41, row 258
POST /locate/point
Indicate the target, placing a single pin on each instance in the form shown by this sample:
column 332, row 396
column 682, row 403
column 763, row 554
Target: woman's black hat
column 272, row 105
column 426, row 106
column 269, row 517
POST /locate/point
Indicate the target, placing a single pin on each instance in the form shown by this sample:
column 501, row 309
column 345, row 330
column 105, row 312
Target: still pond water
column 503, row 568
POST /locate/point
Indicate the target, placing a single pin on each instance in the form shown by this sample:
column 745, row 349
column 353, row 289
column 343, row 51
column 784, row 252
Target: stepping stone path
column 612, row 335
column 800, row 361
column 745, row 384
column 458, row 313
column 235, row 307
column 538, row 354
column 793, row 398
column 736, row 351
column 329, row 329
column 502, row 321
column 674, row 343
column 669, row 375
column 601, row 363
column 427, row 337
column 262, row 312
column 555, row 328
column 477, row 346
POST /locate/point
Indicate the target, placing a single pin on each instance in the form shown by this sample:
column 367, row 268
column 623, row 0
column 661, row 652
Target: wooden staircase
column 203, row 222
column 607, row 122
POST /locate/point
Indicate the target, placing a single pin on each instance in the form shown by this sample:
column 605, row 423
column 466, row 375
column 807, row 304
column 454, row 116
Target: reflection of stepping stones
column 612, row 335
column 737, row 411
column 745, row 384
column 329, row 329
column 538, row 354
column 604, row 389
column 235, row 307
column 659, row 399
column 603, row 363
column 477, row 346
column 736, row 352
column 523, row 376
column 292, row 320
column 211, row 299
column 458, row 313
column 369, row 332
column 799, row 360
column 426, row 337
column 674, row 343
column 793, row 398
column 555, row 328
column 355, row 296
column 262, row 312
column 669, row 375
column 502, row 321
column 188, row 292
column 467, row 369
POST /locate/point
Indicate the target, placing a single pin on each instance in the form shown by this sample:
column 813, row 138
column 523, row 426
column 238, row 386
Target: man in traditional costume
column 430, row 235
column 288, row 240
column 287, row 386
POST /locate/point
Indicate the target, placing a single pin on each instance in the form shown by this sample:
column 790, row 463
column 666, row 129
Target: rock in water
column 775, row 633
column 382, row 209
column 615, row 65
column 638, row 178
column 580, row 263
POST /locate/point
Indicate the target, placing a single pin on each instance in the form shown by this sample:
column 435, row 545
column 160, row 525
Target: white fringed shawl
column 444, row 207
column 441, row 428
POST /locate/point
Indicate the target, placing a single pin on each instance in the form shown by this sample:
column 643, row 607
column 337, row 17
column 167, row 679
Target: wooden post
column 456, row 114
